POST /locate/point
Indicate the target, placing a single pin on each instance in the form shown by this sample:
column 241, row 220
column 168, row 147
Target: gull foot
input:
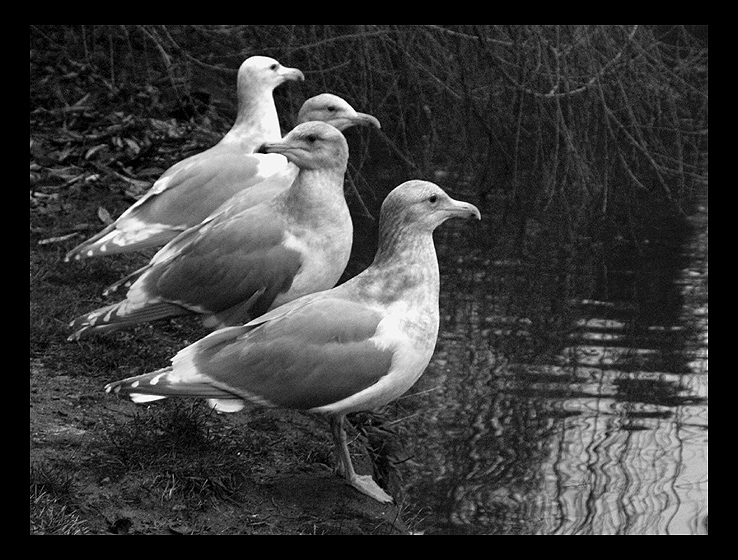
column 365, row 485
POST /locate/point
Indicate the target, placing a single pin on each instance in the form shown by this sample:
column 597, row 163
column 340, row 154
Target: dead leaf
column 67, row 173
column 92, row 151
column 132, row 145
column 104, row 216
column 57, row 239
column 82, row 100
column 137, row 188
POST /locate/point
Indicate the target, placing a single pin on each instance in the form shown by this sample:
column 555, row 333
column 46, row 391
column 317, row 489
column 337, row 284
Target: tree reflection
column 600, row 431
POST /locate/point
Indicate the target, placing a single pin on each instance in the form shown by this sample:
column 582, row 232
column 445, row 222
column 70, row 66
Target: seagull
column 186, row 195
column 335, row 111
column 355, row 347
column 187, row 185
column 239, row 263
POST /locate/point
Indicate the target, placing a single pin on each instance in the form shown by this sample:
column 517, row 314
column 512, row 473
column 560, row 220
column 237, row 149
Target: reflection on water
column 566, row 395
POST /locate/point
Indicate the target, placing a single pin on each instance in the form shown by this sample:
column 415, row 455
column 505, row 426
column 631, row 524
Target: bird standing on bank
column 190, row 190
column 355, row 347
column 238, row 264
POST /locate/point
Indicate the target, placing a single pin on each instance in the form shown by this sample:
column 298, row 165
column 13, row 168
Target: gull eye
column 274, row 66
column 433, row 199
column 331, row 108
column 311, row 138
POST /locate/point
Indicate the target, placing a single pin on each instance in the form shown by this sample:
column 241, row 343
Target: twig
column 338, row 38
column 467, row 36
column 191, row 58
column 581, row 89
column 151, row 34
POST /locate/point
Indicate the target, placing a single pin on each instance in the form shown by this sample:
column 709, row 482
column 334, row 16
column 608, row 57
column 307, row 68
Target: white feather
column 226, row 405
column 141, row 398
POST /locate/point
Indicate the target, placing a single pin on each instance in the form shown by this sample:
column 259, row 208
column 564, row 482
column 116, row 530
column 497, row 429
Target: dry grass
column 51, row 504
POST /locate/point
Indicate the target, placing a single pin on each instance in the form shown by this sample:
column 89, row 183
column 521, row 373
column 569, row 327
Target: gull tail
column 112, row 241
column 164, row 383
column 121, row 315
column 126, row 281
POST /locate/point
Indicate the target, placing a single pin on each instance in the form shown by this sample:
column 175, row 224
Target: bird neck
column 403, row 240
column 316, row 194
column 403, row 247
column 257, row 121
column 405, row 267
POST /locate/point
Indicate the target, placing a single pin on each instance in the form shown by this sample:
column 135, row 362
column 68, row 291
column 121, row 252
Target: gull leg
column 363, row 483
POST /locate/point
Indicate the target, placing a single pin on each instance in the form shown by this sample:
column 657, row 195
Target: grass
column 51, row 504
column 194, row 456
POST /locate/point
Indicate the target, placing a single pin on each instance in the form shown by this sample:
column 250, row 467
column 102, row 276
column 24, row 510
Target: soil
column 111, row 466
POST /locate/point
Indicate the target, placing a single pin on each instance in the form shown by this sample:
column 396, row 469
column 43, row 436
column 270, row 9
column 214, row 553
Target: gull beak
column 460, row 209
column 291, row 74
column 365, row 120
column 276, row 148
column 342, row 122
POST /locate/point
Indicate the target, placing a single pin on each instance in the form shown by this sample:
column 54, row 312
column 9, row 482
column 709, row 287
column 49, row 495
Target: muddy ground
column 102, row 465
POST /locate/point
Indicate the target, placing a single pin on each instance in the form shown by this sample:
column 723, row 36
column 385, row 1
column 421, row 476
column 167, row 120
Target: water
column 568, row 391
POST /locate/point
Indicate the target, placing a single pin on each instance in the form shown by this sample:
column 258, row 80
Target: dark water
column 568, row 391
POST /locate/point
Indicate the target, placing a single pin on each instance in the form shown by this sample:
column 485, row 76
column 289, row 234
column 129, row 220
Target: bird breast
column 324, row 257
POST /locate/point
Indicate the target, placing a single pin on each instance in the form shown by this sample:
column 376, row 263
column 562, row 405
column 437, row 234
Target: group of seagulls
column 255, row 233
